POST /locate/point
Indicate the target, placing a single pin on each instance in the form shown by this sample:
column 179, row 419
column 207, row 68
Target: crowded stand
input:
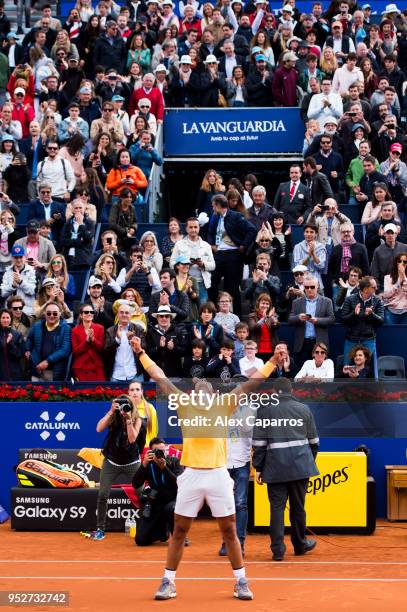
column 246, row 267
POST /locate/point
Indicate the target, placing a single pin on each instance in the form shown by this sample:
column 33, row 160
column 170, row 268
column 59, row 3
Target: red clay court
column 364, row 573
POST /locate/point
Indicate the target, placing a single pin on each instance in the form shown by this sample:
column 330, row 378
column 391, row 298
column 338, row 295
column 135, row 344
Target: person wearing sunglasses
column 45, row 207
column 311, row 315
column 107, row 124
column 88, row 339
column 319, row 368
column 395, row 172
column 19, row 320
column 49, row 346
column 58, row 172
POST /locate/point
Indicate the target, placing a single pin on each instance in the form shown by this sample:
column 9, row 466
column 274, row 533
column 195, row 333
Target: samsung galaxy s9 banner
column 232, row 131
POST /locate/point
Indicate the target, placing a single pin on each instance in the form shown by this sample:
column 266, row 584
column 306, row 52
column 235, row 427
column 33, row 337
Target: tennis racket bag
column 48, row 475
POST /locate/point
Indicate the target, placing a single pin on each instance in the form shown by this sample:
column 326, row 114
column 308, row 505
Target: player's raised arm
column 152, row 369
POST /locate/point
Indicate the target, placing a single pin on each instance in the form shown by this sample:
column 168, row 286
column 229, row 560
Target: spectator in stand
column 8, row 235
column 88, row 340
column 369, row 178
column 200, row 255
column 317, row 183
column 330, row 164
column 328, row 221
column 293, row 198
column 310, row 253
column 395, row 291
column 58, row 172
column 194, row 365
column 375, row 230
column 250, row 362
column 122, row 219
column 73, row 124
column 19, row 279
column 242, row 334
column 319, row 368
column 284, row 84
column 12, row 346
column 263, row 323
column 373, row 209
column 230, row 235
column 395, row 172
column 109, row 246
column 207, row 329
column 77, row 238
column 311, row 315
column 211, row 185
column 143, row 155
column 107, row 124
column 266, row 244
column 110, row 49
column 49, row 346
column 105, row 269
column 121, row 362
column 355, row 171
column 259, row 84
column 38, row 250
column 187, row 285
column 261, row 212
column 345, row 255
column 282, row 232
column 58, row 270
column 383, row 256
column 225, row 316
column 165, row 342
column 19, row 320
column 148, row 90
column 326, row 104
column 341, row 44
column 50, row 293
column 24, row 113
column 102, row 309
column 362, row 313
column 285, row 366
column 124, row 174
column 169, row 241
column 44, row 207
column 348, row 121
column 348, row 287
column 176, row 300
column 262, row 281
column 151, row 253
column 359, row 364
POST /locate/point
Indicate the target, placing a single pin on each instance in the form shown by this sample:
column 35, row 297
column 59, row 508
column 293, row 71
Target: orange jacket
column 113, row 181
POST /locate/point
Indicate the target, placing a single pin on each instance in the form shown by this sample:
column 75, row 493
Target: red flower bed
column 51, row 393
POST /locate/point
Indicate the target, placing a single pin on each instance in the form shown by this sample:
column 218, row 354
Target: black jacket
column 164, row 481
column 182, row 95
column 239, row 230
column 362, row 326
column 11, row 354
column 209, row 90
column 320, row 188
column 104, row 317
column 359, row 258
column 372, row 238
column 273, row 456
column 110, row 55
column 82, row 244
column 366, row 183
column 300, row 206
column 168, row 360
column 258, row 93
column 179, row 304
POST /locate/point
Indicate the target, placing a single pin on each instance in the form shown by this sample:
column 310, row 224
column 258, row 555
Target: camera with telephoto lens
column 147, row 498
column 158, row 453
column 124, row 404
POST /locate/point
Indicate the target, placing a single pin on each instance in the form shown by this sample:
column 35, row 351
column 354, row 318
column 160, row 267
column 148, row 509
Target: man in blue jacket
column 44, row 208
column 230, row 235
column 49, row 346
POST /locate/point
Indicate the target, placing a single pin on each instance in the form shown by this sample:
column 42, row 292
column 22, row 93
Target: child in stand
column 195, row 364
column 242, row 334
column 225, row 316
column 249, row 363
column 224, row 365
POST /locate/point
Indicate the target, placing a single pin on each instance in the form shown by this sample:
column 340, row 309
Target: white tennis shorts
column 195, row 486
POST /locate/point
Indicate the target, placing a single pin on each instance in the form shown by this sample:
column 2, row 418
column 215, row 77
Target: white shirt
column 230, row 63
column 324, row 372
column 318, row 111
column 239, row 439
column 11, row 56
column 52, row 172
column 246, row 365
column 124, row 366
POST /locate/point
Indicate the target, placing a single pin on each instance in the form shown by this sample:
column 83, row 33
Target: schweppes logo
column 319, row 484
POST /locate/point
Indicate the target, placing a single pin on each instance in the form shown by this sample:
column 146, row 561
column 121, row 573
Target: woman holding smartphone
column 360, row 364
column 12, row 347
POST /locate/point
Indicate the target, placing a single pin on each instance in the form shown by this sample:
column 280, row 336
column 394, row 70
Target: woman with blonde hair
column 131, row 297
column 123, row 445
column 207, row 11
column 105, row 269
column 328, row 62
column 151, row 255
column 146, row 411
column 212, row 184
column 62, row 42
column 58, row 270
column 85, row 9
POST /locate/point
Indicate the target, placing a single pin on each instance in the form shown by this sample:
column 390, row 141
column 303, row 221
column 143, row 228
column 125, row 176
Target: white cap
column 299, row 268
column 161, row 68
column 331, row 119
column 211, row 59
column 390, row 8
column 185, row 59
column 391, row 227
column 289, row 56
column 288, row 9
column 167, row 2
column 19, row 90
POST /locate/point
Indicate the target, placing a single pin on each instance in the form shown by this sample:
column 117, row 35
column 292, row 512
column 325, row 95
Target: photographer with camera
column 122, row 447
column 159, row 473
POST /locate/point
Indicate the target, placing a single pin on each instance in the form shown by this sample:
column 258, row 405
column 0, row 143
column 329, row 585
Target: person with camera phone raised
column 124, row 441
column 159, row 472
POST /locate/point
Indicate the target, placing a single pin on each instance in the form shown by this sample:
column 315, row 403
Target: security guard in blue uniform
column 285, row 444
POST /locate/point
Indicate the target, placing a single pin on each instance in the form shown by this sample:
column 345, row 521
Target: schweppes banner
column 237, row 131
column 335, row 498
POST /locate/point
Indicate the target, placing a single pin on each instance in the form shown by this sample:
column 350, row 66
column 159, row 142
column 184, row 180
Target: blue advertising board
column 72, row 425
column 232, row 131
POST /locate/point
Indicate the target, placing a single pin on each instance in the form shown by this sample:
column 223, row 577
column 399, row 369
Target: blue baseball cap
column 261, row 58
column 17, row 251
column 182, row 259
column 117, row 98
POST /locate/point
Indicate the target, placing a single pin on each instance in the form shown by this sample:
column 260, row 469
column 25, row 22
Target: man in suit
column 261, row 212
column 311, row 316
column 230, row 59
column 77, row 238
column 293, row 198
column 45, row 208
column 317, row 183
column 230, row 235
column 39, row 250
column 13, row 51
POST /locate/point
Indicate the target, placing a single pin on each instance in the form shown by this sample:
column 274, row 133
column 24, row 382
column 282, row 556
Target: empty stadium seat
column 391, row 367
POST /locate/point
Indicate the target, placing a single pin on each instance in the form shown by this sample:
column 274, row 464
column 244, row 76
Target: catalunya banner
column 232, row 131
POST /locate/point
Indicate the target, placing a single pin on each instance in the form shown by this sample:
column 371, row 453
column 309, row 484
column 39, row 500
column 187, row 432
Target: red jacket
column 284, row 87
column 156, row 98
column 87, row 362
column 24, row 113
